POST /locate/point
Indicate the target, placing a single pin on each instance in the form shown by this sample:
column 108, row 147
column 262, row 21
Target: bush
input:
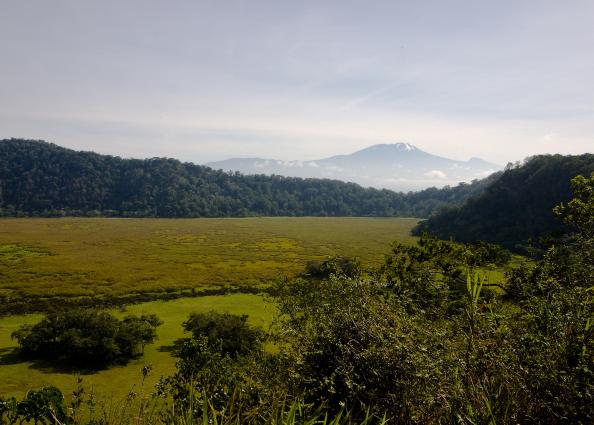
column 217, row 360
column 350, row 345
column 337, row 266
column 87, row 338
column 227, row 333
column 43, row 406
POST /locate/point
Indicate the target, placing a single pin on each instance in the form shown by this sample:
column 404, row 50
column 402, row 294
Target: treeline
column 515, row 209
column 42, row 179
column 433, row 200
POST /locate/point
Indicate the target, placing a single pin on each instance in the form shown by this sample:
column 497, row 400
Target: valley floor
column 59, row 259
column 77, row 257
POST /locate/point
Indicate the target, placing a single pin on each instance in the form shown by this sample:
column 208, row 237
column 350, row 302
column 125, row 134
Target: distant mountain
column 516, row 207
column 399, row 166
column 43, row 179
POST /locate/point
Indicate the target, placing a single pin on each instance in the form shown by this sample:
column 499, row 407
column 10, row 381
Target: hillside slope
column 515, row 208
column 37, row 178
column 43, row 179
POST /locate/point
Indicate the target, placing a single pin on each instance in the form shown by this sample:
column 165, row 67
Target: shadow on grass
column 11, row 356
column 174, row 348
column 49, row 366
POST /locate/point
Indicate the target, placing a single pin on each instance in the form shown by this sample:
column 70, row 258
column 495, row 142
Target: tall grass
column 142, row 409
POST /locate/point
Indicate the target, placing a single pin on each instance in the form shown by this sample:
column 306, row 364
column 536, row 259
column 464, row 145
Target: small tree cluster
column 337, row 266
column 226, row 333
column 87, row 338
column 217, row 360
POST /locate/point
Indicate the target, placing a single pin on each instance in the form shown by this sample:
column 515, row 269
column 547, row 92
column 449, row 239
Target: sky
column 208, row 80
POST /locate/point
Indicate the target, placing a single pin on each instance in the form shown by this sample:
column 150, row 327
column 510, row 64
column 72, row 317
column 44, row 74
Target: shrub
column 337, row 266
column 227, row 333
column 45, row 405
column 217, row 360
column 350, row 345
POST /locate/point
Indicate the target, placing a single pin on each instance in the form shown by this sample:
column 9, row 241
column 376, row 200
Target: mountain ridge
column 395, row 166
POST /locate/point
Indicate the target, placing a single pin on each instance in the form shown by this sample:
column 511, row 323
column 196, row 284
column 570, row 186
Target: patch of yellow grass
column 99, row 256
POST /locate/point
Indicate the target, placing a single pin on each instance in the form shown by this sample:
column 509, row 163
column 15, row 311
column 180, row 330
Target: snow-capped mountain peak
column 406, row 146
column 398, row 166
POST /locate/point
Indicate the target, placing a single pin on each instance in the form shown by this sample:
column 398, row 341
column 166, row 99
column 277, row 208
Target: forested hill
column 43, row 179
column 515, row 208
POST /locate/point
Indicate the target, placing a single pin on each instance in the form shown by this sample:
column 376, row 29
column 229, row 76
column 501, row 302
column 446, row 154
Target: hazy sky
column 205, row 80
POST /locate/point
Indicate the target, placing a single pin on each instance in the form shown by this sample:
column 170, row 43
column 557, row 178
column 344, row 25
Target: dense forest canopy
column 42, row 179
column 516, row 209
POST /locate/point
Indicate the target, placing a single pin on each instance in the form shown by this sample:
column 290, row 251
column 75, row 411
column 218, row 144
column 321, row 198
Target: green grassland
column 17, row 376
column 74, row 257
column 109, row 257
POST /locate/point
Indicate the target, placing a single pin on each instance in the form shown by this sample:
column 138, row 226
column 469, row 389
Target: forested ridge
column 42, row 179
column 514, row 210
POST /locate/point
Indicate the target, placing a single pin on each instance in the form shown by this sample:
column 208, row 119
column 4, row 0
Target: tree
column 579, row 211
column 87, row 338
column 339, row 266
column 226, row 333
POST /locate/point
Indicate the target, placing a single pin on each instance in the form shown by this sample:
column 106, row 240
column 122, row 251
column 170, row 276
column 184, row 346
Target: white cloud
column 297, row 164
column 484, row 174
column 436, row 174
